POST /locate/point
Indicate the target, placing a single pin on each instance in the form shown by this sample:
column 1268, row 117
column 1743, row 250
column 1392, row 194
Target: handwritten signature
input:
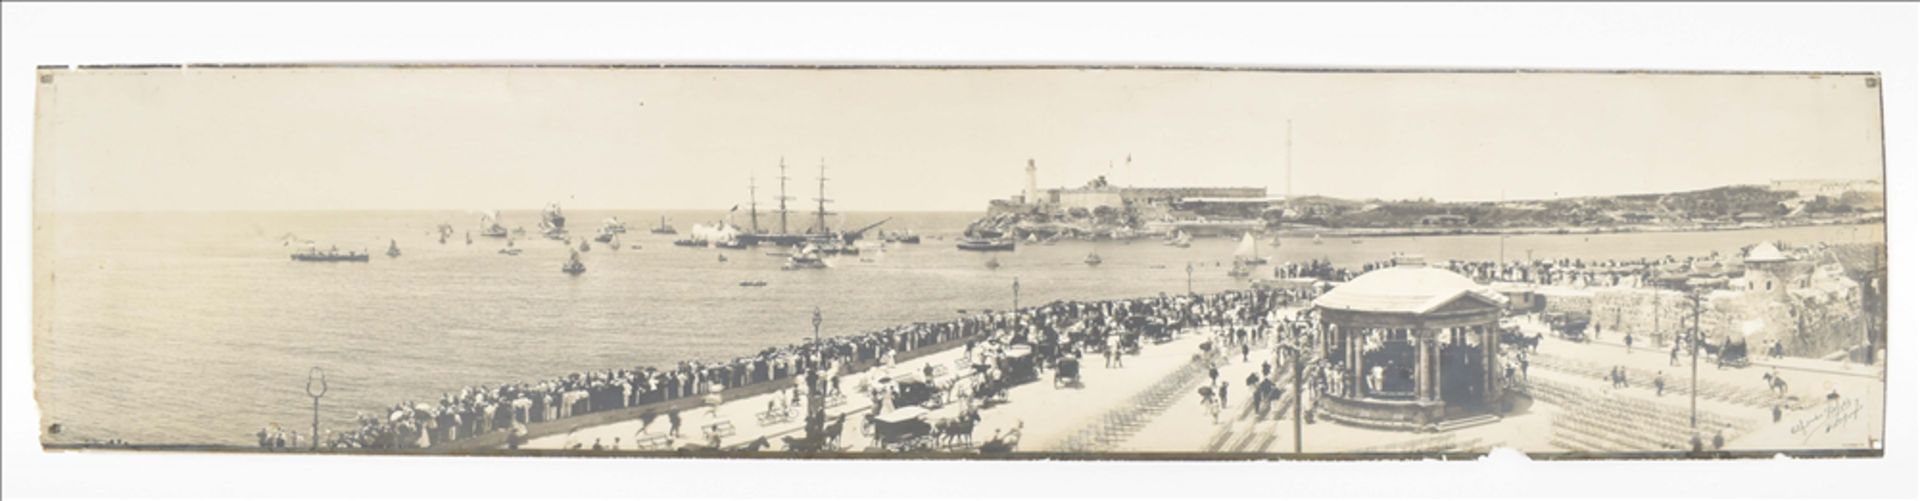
column 1834, row 415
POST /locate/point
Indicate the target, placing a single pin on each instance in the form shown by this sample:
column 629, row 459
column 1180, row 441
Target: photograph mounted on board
column 959, row 262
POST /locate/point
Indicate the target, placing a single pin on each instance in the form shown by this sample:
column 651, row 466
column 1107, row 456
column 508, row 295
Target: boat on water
column 634, row 247
column 1316, row 239
column 985, row 244
column 393, row 248
column 690, row 242
column 510, row 250
column 664, row 228
column 584, row 247
column 613, row 225
column 1093, row 259
column 731, row 243
column 1249, row 252
column 807, row 258
column 1181, row 239
column 753, row 283
column 553, row 222
column 605, row 236
column 573, row 265
column 993, row 263
column 490, row 226
column 834, row 247
column 332, row 255
column 723, row 258
column 901, row 237
column 1240, row 270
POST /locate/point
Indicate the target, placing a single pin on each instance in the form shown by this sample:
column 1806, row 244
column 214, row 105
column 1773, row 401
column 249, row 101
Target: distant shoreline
column 1607, row 230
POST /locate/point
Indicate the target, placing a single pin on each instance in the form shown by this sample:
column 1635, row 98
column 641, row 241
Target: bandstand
column 1411, row 347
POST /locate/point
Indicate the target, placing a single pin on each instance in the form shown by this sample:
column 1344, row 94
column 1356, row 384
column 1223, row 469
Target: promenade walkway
column 1067, row 418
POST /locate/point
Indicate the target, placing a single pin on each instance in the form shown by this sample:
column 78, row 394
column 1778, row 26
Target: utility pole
column 1299, row 398
column 1693, row 389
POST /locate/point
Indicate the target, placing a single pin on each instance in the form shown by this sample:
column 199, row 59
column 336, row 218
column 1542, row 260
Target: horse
column 754, row 446
column 1776, row 384
column 957, row 430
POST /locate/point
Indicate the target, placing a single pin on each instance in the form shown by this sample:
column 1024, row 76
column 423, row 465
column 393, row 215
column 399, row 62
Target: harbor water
column 196, row 328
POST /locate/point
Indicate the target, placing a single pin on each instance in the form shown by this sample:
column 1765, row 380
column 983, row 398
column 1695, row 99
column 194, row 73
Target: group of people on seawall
column 1053, row 330
column 1563, row 272
column 1579, row 272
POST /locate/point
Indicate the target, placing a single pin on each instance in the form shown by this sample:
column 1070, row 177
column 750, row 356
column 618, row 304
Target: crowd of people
column 1052, row 330
column 1574, row 272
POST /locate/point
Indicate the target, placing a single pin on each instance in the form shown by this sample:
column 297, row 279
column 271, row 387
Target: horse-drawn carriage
column 1513, row 336
column 1732, row 352
column 1569, row 325
column 904, row 430
column 916, row 390
column 1067, row 373
column 1019, row 365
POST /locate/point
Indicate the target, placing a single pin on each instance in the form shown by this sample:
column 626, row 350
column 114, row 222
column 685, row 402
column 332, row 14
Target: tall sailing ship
column 820, row 234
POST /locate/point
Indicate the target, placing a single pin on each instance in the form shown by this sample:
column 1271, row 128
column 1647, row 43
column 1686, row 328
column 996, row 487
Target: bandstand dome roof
column 1413, row 289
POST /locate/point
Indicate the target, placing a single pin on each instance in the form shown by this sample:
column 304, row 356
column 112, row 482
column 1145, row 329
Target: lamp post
column 316, row 388
column 1016, row 294
column 816, row 397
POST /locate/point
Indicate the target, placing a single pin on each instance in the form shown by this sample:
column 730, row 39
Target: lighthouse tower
column 1032, row 196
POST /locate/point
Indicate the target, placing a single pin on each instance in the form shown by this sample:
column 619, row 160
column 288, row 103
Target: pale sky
column 517, row 138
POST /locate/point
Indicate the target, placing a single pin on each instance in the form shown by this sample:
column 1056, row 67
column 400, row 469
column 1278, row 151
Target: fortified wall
column 1813, row 310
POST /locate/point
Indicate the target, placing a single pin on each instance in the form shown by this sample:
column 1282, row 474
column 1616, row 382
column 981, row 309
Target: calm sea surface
column 197, row 328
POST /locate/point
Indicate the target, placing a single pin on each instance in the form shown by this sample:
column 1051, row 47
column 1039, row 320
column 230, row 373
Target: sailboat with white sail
column 1248, row 252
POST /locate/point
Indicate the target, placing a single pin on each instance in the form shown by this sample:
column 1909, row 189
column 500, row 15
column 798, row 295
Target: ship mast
column 822, row 214
column 753, row 205
column 783, row 195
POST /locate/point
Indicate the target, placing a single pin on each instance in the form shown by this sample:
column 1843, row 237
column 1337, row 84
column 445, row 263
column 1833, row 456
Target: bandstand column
column 1353, row 361
column 1490, row 346
column 1423, row 363
column 1439, row 365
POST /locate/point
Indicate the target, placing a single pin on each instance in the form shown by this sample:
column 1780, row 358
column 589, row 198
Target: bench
column 721, row 429
column 773, row 416
column 653, row 441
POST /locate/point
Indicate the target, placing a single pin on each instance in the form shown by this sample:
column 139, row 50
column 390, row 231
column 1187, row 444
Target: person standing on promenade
column 1629, row 341
column 673, row 422
column 1660, row 384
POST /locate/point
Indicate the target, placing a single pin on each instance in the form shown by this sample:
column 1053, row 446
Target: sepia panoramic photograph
column 871, row 262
